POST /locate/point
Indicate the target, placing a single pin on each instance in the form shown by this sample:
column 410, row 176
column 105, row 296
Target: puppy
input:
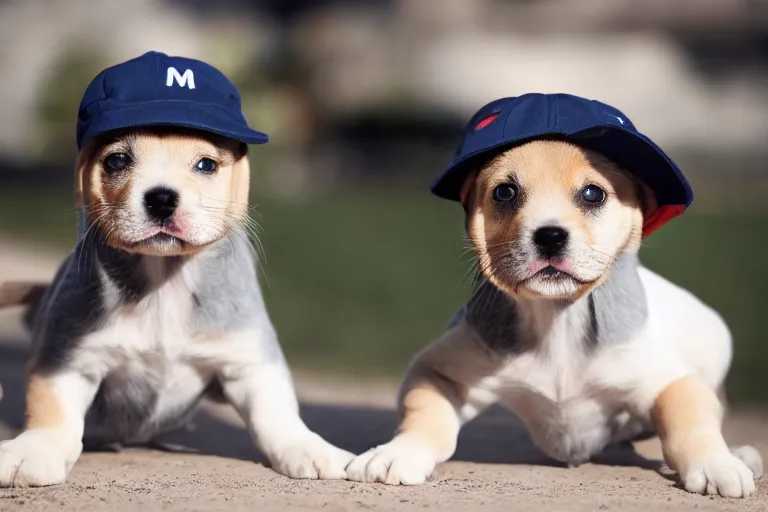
column 158, row 306
column 567, row 329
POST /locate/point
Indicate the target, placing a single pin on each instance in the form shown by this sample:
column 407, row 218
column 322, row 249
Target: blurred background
column 364, row 102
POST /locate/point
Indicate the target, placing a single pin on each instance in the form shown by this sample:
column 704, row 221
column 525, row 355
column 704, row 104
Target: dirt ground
column 214, row 465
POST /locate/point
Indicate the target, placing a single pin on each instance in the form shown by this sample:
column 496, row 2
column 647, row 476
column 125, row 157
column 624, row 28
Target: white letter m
column 187, row 78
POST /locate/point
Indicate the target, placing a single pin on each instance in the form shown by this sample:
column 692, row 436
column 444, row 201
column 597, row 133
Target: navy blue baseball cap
column 508, row 122
column 157, row 90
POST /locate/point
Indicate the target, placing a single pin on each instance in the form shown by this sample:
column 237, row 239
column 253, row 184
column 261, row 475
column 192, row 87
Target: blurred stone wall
column 690, row 73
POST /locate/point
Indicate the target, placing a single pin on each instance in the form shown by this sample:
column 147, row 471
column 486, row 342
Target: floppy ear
column 86, row 183
column 468, row 199
column 655, row 216
column 647, row 200
column 240, row 186
column 466, row 195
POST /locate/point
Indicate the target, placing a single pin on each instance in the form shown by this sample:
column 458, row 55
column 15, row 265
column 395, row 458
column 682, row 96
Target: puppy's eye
column 592, row 194
column 206, row 166
column 504, row 193
column 117, row 162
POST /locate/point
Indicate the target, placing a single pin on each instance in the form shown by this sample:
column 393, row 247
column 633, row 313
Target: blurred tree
column 58, row 101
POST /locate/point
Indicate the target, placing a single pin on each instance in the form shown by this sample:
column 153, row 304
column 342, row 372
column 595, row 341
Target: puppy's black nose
column 161, row 202
column 550, row 240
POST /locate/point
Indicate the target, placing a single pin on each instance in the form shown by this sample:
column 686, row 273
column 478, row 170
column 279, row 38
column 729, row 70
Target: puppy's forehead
column 180, row 148
column 174, row 145
column 178, row 145
column 546, row 163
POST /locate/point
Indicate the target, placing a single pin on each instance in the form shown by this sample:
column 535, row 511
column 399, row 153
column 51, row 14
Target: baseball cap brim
column 208, row 118
column 642, row 157
column 630, row 150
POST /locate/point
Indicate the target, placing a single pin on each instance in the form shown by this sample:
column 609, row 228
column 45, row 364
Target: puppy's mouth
column 553, row 272
column 551, row 269
column 168, row 241
column 166, row 237
column 162, row 239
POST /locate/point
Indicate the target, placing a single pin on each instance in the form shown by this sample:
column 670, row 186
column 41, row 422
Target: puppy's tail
column 20, row 293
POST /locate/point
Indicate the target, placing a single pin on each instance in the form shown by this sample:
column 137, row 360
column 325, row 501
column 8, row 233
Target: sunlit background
column 364, row 102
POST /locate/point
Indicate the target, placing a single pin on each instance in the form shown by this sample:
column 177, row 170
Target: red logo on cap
column 486, row 121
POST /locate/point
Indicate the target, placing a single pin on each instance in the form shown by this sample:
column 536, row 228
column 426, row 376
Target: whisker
column 250, row 228
column 82, row 257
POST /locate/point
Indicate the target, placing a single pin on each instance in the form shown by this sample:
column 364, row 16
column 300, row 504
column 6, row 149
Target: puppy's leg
column 748, row 454
column 688, row 416
column 433, row 406
column 52, row 439
column 263, row 394
column 709, row 351
column 426, row 436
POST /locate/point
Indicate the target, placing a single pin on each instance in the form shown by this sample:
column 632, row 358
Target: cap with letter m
column 157, row 90
column 509, row 122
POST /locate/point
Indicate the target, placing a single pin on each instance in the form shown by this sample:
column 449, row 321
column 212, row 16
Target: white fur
column 552, row 288
column 44, row 456
column 159, row 349
column 402, row 461
column 574, row 404
column 257, row 383
column 574, row 396
column 722, row 472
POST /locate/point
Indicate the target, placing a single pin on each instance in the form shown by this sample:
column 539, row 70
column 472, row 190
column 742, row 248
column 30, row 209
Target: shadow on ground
column 495, row 437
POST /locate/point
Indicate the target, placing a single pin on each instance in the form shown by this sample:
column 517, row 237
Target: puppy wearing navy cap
column 565, row 327
column 159, row 303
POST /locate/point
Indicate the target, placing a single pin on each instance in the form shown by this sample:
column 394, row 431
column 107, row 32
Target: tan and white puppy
column 566, row 328
column 158, row 305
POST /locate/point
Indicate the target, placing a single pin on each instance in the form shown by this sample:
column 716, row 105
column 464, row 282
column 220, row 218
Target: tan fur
column 687, row 416
column 164, row 159
column 43, row 407
column 550, row 174
column 574, row 400
column 239, row 187
column 427, row 413
column 101, row 195
column 155, row 330
column 84, row 186
column 21, row 293
column 436, row 387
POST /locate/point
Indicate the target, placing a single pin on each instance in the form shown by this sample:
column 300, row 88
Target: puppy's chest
column 542, row 379
column 150, row 361
column 571, row 410
column 158, row 327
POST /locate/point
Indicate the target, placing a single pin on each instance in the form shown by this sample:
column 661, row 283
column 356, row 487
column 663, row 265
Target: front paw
column 751, row 457
column 33, row 459
column 721, row 473
column 402, row 461
column 312, row 458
